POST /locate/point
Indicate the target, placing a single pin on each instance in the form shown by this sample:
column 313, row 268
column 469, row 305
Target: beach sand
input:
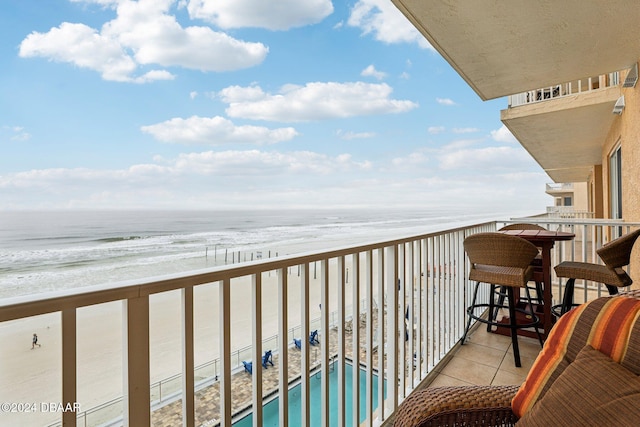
column 33, row 375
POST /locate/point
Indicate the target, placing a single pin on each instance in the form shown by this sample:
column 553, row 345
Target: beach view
column 187, row 185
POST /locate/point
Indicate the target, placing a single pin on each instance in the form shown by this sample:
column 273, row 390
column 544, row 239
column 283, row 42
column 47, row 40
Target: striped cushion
column 607, row 324
column 608, row 396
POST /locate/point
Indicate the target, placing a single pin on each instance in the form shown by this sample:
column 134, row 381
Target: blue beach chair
column 267, row 358
column 298, row 343
column 248, row 366
column 313, row 338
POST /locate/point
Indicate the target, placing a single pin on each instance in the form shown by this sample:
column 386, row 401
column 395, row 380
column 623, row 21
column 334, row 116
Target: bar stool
column 537, row 269
column 502, row 260
column 615, row 255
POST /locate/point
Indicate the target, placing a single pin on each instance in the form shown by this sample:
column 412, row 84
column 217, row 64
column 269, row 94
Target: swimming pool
column 270, row 411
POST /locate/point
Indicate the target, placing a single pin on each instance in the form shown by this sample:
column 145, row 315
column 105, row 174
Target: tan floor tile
column 509, row 378
column 481, row 354
column 446, row 381
column 470, row 371
column 497, row 341
column 508, row 364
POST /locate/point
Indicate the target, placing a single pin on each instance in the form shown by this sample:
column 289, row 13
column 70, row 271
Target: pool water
column 270, row 411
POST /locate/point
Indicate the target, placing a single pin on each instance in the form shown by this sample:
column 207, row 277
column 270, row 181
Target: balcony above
column 564, row 130
column 559, row 190
column 517, row 46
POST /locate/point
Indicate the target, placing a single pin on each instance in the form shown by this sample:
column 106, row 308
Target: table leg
column 546, row 295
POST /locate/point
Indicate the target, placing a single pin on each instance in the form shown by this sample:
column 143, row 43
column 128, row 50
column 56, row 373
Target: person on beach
column 34, row 342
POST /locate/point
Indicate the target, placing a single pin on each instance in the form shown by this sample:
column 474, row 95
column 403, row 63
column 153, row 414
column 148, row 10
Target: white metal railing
column 564, row 186
column 417, row 285
column 568, row 212
column 565, row 89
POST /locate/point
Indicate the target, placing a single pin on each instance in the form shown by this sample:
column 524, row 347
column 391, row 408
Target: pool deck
column 485, row 359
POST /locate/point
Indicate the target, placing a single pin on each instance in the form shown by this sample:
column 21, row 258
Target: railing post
column 392, row 328
column 324, row 321
column 341, row 280
column 283, row 321
column 224, row 290
column 137, row 404
column 256, row 298
column 188, row 388
column 355, row 343
column 305, row 416
column 69, row 398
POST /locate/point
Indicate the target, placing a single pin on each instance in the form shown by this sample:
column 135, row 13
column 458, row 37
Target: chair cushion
column 498, row 275
column 594, row 272
column 593, row 391
column 608, row 324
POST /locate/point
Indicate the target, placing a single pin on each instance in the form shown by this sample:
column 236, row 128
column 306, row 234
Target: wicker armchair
column 458, row 406
column 560, row 389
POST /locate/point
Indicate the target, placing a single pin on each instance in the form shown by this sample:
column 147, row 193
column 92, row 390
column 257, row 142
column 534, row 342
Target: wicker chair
column 501, row 260
column 615, row 254
column 536, row 263
column 503, row 405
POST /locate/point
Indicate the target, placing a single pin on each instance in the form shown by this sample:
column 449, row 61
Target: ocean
column 50, row 251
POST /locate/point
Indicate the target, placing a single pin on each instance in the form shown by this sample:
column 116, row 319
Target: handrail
column 49, row 302
column 421, row 287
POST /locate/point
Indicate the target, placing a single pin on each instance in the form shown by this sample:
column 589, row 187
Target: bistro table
column 545, row 240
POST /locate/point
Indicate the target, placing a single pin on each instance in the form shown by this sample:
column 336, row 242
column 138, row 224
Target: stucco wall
column 626, row 129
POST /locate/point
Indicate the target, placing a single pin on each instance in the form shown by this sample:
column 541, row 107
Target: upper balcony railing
column 565, row 89
column 413, row 294
column 564, row 186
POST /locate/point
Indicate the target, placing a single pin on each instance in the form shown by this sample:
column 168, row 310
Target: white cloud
column 314, row 101
column 215, row 131
column 348, row 135
column 142, row 34
column 371, row 71
column 14, row 133
column 255, row 178
column 436, row 129
column 465, row 130
column 274, row 15
column 485, row 159
column 415, row 158
column 503, row 135
column 193, row 94
column 387, row 24
column 445, row 101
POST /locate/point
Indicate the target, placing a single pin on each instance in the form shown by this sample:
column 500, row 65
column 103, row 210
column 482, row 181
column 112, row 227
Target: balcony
column 563, row 126
column 565, row 89
column 182, row 338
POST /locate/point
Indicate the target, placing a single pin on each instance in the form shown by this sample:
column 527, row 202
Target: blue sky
column 243, row 104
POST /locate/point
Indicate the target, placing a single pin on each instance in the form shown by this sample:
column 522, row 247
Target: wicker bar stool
column 536, row 263
column 501, row 260
column 615, row 255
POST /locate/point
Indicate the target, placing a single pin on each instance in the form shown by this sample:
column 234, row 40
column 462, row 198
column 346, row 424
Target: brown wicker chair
column 458, row 406
column 502, row 405
column 615, row 254
column 536, row 263
column 501, row 260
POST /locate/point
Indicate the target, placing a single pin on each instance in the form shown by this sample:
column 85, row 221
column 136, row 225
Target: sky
column 225, row 104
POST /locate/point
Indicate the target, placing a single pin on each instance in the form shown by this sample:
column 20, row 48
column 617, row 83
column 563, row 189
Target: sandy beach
column 33, row 375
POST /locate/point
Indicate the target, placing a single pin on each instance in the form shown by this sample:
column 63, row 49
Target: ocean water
column 48, row 251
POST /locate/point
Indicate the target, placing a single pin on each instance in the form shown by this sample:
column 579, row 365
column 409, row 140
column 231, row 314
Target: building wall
column 626, row 129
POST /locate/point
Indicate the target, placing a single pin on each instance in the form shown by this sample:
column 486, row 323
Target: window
column 615, row 183
column 568, row 201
